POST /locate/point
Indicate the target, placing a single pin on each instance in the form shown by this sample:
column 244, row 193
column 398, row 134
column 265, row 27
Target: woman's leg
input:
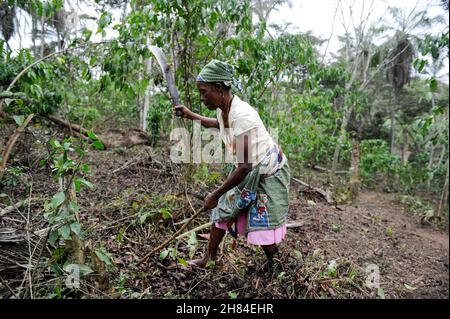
column 215, row 237
column 270, row 250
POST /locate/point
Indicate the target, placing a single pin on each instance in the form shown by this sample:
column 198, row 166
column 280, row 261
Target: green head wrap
column 218, row 71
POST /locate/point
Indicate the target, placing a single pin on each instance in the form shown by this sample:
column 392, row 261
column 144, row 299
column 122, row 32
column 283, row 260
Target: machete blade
column 168, row 75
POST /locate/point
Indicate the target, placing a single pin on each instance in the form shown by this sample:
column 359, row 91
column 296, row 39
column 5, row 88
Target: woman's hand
column 181, row 109
column 211, row 201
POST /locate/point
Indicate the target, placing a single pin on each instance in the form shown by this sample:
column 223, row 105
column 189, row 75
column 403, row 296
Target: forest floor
column 140, row 199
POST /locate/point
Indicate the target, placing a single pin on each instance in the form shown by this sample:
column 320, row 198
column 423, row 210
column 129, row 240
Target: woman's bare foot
column 215, row 237
column 200, row 263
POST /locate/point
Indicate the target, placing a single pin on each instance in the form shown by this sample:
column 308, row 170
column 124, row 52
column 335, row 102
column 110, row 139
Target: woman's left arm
column 244, row 167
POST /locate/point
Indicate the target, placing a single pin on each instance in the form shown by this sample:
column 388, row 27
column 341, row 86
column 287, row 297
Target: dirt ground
column 412, row 258
column 140, row 199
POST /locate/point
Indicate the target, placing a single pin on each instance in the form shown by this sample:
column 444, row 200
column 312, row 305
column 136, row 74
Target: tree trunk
column 42, row 36
column 444, row 197
column 34, row 33
column 148, row 93
column 139, row 101
column 342, row 131
column 355, row 179
column 392, row 113
column 441, row 157
column 392, row 136
column 124, row 11
column 10, row 144
column 430, row 166
column 405, row 146
column 74, row 246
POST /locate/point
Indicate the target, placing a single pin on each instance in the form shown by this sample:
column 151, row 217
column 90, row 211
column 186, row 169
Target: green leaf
column 163, row 254
column 183, row 262
column 119, row 236
column 172, row 253
column 389, row 231
column 422, row 65
column 93, row 61
column 143, row 217
column 54, row 235
column 77, row 185
column 433, row 85
column 55, row 144
column 143, row 86
column 165, row 213
column 92, row 135
column 19, row 119
column 87, row 34
column 103, row 257
column 281, row 275
column 58, row 199
column 233, row 295
column 64, row 231
column 37, row 90
column 8, row 102
column 85, row 74
column 67, row 147
column 104, row 21
column 80, row 181
column 85, row 270
column 98, row 145
column 75, row 227
column 85, row 168
column 74, row 207
column 192, row 241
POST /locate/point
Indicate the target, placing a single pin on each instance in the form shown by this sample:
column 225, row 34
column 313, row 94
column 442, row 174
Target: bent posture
column 253, row 200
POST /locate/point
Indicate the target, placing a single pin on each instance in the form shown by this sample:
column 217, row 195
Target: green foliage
column 233, row 294
column 378, row 166
column 417, row 206
column 62, row 210
column 283, row 78
column 15, row 175
column 203, row 175
column 169, row 252
column 192, row 244
column 40, row 88
column 87, row 116
column 160, row 111
column 376, row 159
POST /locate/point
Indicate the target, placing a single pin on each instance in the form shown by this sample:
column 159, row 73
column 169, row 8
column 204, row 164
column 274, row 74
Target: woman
column 254, row 197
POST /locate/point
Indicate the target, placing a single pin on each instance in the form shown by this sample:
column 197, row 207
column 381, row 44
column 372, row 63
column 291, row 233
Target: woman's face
column 209, row 95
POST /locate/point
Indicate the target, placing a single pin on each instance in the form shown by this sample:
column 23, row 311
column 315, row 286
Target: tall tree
column 407, row 27
column 7, row 18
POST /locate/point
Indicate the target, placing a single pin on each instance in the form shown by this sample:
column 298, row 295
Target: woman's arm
column 244, row 167
column 206, row 121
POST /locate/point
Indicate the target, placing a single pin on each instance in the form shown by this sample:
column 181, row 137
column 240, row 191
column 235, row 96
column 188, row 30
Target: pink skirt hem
column 257, row 237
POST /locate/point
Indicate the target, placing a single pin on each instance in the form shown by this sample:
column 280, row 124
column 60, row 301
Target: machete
column 168, row 76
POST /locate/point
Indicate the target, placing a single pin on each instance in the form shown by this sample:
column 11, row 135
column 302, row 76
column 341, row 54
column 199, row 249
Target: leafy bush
column 84, row 115
column 40, row 88
column 379, row 165
column 376, row 161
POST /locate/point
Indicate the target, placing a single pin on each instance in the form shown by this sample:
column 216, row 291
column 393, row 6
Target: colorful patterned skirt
column 258, row 207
